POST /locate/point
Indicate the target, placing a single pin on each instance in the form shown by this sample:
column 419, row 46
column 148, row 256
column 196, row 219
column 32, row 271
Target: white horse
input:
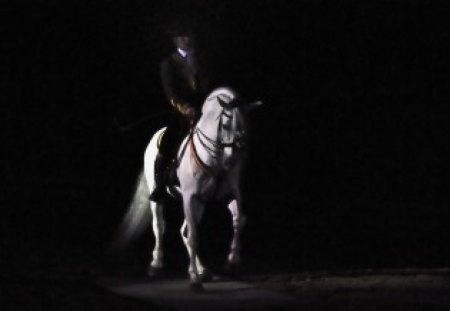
column 210, row 162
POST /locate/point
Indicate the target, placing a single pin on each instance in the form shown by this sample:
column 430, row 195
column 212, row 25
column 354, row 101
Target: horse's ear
column 252, row 105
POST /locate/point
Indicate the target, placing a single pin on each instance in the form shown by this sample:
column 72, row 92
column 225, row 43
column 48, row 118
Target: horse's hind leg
column 234, row 256
column 159, row 227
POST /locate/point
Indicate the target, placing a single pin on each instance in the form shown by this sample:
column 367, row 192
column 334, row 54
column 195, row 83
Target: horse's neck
column 206, row 141
column 209, row 127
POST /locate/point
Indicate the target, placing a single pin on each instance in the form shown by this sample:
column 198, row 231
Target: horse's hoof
column 154, row 273
column 196, row 287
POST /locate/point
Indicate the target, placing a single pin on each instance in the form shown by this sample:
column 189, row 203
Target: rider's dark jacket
column 185, row 85
column 183, row 81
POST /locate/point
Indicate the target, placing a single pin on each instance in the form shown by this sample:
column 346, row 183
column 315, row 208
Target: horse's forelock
column 223, row 96
column 230, row 104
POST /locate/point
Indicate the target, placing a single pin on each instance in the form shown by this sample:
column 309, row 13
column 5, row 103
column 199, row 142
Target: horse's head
column 225, row 110
column 228, row 99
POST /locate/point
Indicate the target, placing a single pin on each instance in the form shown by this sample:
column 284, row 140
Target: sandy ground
column 65, row 279
column 401, row 289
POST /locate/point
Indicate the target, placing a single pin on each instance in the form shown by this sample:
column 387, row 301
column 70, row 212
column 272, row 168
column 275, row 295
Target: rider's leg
column 158, row 193
column 165, row 155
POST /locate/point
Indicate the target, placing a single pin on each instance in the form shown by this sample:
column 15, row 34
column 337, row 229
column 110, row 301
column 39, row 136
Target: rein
column 214, row 148
column 197, row 158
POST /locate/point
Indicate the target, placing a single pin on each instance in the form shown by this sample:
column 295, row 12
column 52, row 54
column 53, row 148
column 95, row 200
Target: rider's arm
column 168, row 84
column 181, row 106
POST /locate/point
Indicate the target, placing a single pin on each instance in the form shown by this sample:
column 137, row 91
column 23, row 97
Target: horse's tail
column 137, row 217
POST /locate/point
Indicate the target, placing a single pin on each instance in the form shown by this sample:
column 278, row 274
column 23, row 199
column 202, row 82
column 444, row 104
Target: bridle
column 216, row 148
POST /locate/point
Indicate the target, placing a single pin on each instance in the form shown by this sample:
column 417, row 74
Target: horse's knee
column 183, row 232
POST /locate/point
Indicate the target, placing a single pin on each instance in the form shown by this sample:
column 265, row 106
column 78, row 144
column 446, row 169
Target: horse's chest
column 214, row 186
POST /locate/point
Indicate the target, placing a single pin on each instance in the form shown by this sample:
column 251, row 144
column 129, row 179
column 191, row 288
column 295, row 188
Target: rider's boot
column 159, row 192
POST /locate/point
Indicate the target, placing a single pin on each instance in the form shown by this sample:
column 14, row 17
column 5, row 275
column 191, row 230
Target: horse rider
column 185, row 88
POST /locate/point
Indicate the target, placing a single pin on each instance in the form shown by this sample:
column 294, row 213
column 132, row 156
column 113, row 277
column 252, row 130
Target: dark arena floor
column 58, row 268
column 78, row 280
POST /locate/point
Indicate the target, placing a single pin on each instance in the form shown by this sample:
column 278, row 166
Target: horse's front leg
column 159, row 227
column 238, row 218
column 193, row 210
column 200, row 267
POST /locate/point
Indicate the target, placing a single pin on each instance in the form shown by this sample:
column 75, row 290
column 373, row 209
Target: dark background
column 349, row 160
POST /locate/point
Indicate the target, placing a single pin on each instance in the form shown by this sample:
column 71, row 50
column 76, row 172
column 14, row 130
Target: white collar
column 183, row 53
